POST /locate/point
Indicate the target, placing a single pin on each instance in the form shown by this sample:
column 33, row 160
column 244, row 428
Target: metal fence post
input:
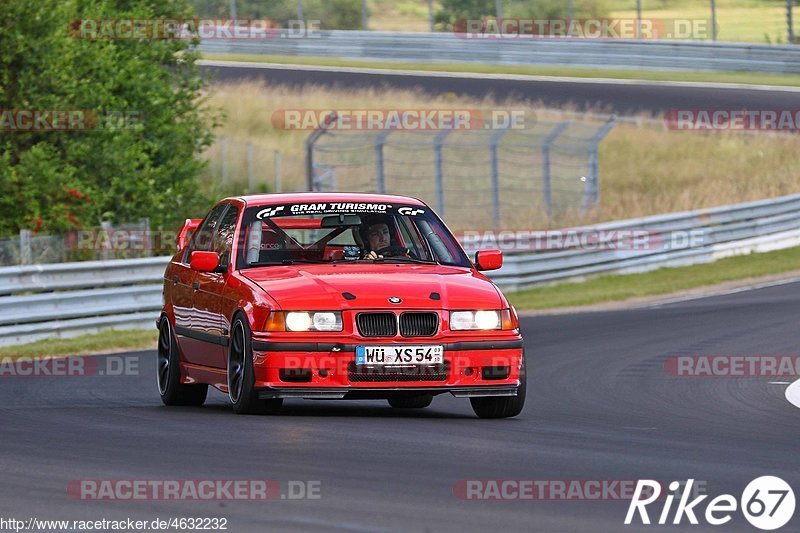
column 224, row 154
column 250, row 179
column 789, row 22
column 106, row 227
column 380, row 178
column 438, row 141
column 25, row 255
column 713, row 20
column 278, row 177
column 638, row 19
column 148, row 244
column 496, row 137
column 547, row 192
column 316, row 134
column 591, row 190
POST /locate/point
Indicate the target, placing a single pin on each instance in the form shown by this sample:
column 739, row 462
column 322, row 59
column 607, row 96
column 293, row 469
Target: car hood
column 321, row 287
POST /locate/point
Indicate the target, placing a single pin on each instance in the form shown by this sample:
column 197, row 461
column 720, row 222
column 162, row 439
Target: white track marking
column 793, row 393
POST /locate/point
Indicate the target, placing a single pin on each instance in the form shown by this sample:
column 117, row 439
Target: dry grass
column 764, row 23
column 399, row 15
column 756, row 21
column 644, row 169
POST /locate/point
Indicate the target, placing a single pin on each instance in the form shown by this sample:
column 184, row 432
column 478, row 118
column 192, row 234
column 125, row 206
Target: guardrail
column 703, row 236
column 65, row 299
column 591, row 53
column 42, row 301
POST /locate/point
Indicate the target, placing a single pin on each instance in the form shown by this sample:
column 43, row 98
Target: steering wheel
column 393, row 250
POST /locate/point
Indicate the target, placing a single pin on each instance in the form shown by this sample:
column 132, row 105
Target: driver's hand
column 373, row 255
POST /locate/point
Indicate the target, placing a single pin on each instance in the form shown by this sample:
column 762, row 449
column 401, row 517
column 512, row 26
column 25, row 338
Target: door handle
column 196, row 285
column 175, row 279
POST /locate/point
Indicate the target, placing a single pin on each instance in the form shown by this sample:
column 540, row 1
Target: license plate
column 400, row 355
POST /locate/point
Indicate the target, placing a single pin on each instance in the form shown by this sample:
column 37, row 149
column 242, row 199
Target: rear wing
column 187, row 231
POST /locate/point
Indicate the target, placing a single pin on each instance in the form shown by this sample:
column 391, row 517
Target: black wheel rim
column 236, row 364
column 164, row 353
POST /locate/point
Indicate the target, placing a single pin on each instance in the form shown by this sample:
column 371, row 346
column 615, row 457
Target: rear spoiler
column 187, row 231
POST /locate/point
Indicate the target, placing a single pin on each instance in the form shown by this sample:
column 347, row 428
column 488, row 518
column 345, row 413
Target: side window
column 201, row 240
column 223, row 236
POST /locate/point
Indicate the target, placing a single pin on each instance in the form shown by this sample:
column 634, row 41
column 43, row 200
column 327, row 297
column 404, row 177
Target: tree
column 140, row 100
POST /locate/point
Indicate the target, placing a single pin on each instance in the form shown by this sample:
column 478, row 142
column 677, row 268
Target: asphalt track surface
column 621, row 97
column 600, row 407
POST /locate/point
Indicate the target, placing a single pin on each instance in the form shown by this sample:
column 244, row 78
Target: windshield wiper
column 291, row 262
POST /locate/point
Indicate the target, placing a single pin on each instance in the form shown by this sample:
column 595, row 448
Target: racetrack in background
column 618, row 96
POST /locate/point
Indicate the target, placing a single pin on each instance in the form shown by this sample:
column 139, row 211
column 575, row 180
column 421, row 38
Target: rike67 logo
column 767, row 503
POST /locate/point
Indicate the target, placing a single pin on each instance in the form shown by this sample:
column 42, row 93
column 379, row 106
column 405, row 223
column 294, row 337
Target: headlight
column 313, row 321
column 475, row 320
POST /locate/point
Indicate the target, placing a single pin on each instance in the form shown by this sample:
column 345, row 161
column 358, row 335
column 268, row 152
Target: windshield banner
column 332, row 208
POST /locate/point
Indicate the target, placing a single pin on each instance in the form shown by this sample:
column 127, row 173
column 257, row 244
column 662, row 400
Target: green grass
column 85, row 344
column 752, row 78
column 663, row 281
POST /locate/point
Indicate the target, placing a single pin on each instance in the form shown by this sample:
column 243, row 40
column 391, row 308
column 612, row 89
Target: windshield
column 345, row 232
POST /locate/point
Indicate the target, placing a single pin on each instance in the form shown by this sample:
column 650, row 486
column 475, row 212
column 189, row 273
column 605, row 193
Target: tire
column 411, row 402
column 168, row 372
column 503, row 406
column 241, row 375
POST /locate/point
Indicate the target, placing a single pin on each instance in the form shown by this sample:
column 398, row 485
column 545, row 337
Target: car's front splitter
column 384, row 392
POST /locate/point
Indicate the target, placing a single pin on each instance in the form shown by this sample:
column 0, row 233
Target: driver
column 378, row 237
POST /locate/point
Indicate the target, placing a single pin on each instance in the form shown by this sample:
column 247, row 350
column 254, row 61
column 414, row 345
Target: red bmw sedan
column 332, row 296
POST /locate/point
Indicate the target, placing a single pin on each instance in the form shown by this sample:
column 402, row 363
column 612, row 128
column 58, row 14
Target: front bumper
column 480, row 367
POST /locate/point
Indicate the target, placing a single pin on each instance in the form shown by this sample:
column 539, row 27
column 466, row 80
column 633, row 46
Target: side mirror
column 488, row 259
column 204, row 261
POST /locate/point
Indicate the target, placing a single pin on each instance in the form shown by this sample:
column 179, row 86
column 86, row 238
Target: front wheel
column 502, row 406
column 173, row 392
column 241, row 375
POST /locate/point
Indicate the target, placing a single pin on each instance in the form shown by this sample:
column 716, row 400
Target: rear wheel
column 502, row 406
column 411, row 402
column 172, row 391
column 241, row 375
